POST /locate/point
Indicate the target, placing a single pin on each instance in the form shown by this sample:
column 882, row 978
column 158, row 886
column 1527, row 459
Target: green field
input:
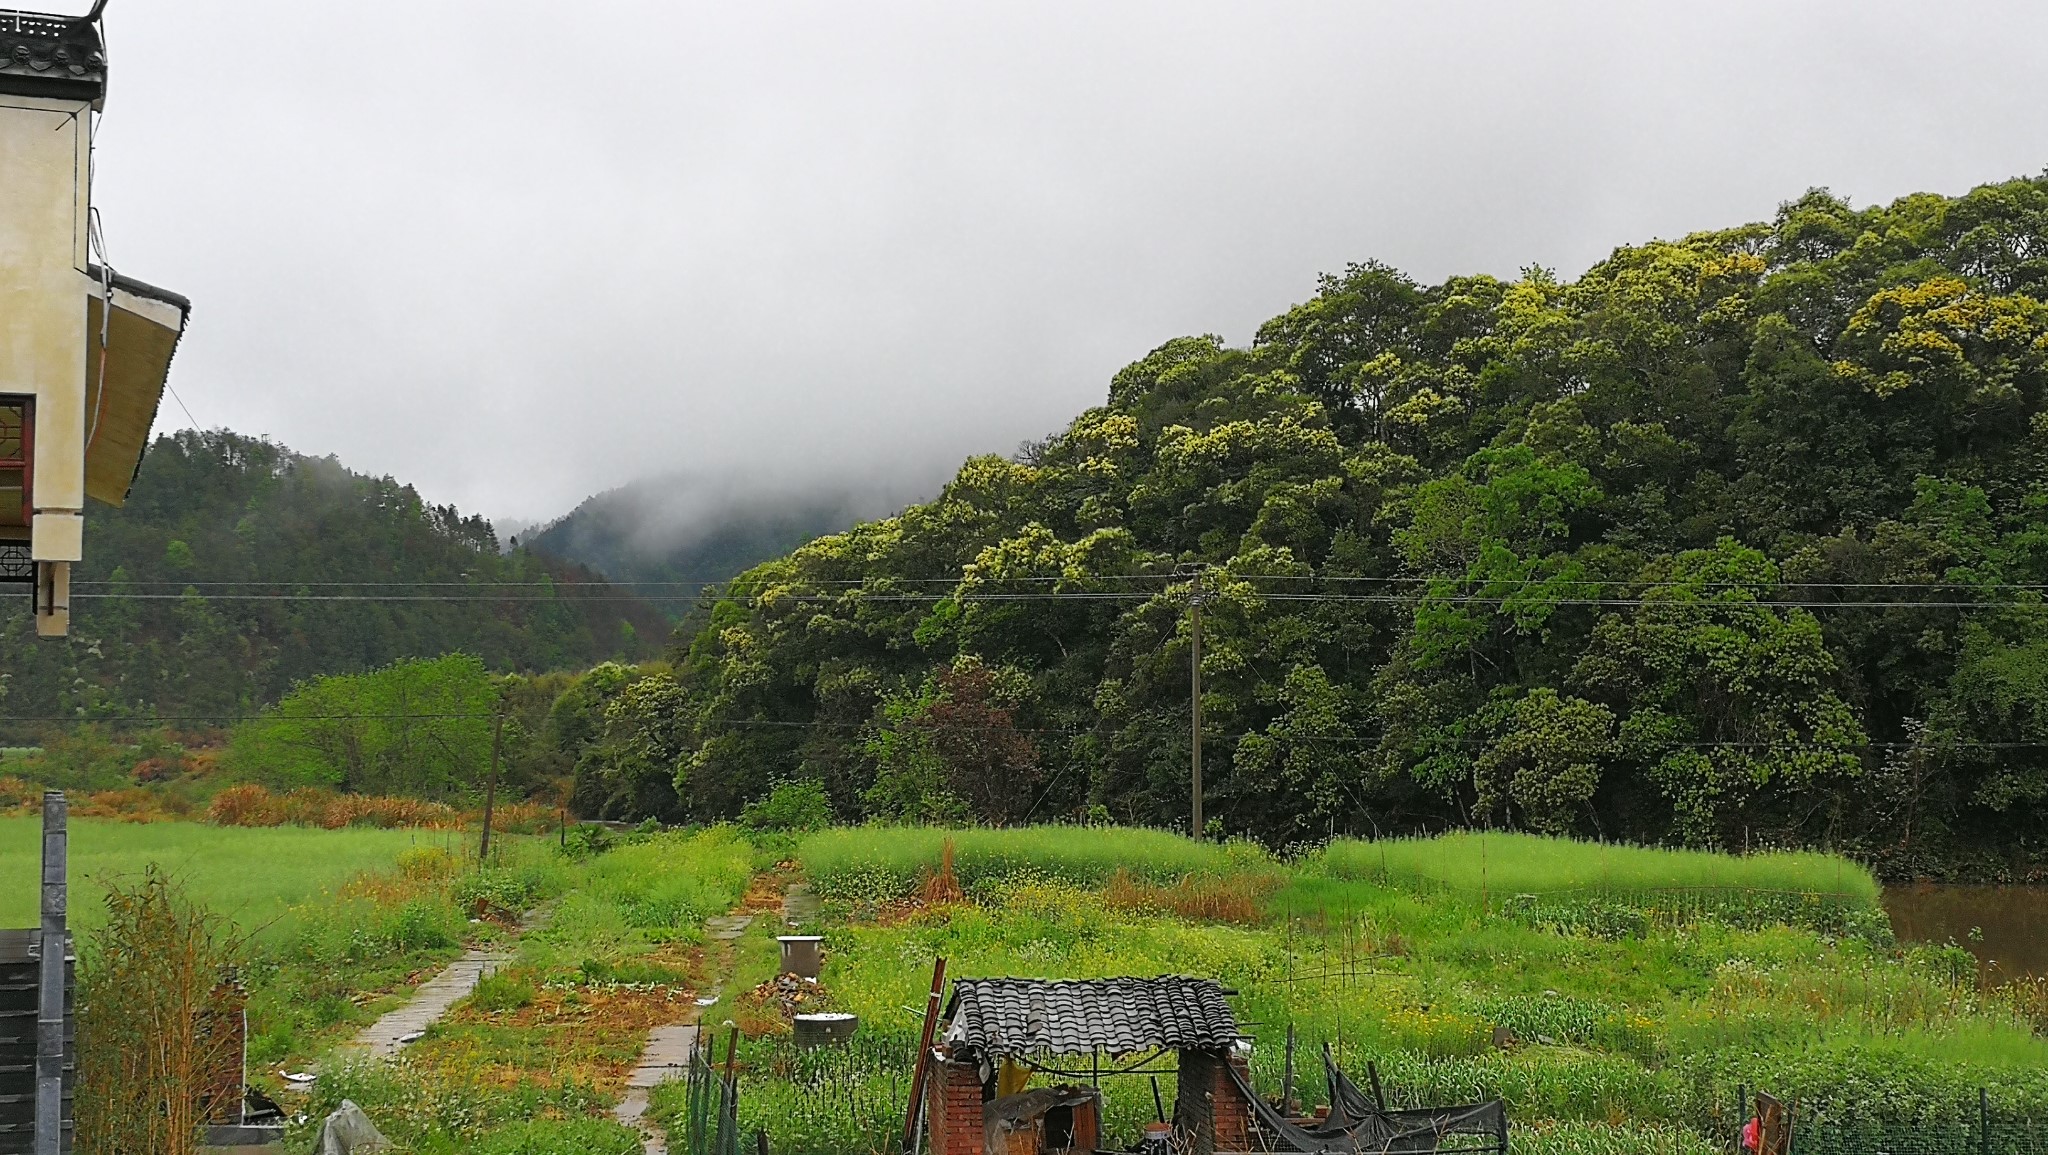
column 254, row 876
column 1637, row 989
column 1630, row 1019
column 883, row 862
column 1507, row 863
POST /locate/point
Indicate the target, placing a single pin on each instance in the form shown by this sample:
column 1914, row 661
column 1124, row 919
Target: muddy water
column 2011, row 923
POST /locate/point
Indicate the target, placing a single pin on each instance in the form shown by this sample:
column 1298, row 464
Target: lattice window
column 17, row 460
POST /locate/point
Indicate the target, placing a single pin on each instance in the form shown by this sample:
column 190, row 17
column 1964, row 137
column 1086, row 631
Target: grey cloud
column 519, row 253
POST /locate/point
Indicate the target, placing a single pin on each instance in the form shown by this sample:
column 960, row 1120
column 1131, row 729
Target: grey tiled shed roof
column 1016, row 1017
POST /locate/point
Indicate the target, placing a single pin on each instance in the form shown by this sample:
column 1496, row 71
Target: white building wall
column 45, row 165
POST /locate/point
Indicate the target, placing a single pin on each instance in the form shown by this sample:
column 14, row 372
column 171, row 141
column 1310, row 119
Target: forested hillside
column 238, row 567
column 669, row 538
column 1738, row 537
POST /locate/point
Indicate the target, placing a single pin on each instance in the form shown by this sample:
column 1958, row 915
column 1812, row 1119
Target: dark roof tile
column 1122, row 1016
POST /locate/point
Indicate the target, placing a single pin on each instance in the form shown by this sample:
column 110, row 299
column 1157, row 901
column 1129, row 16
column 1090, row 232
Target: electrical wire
column 953, row 727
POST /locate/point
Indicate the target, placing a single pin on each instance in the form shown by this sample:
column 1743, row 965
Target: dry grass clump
column 245, row 806
column 942, row 887
column 1200, row 897
column 135, row 804
column 517, row 818
column 587, row 1036
column 253, row 805
column 19, row 793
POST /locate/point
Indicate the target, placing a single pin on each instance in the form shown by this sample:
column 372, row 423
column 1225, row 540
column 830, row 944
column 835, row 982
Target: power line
column 1042, row 731
column 1045, row 579
column 861, row 596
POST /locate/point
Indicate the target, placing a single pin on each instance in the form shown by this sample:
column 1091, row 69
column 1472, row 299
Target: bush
column 152, row 973
column 800, row 806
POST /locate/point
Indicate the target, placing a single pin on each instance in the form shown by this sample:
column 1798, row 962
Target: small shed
column 1071, row 1029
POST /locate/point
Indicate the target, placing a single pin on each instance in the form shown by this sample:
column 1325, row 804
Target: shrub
column 153, row 973
column 800, row 806
column 247, row 805
column 17, row 793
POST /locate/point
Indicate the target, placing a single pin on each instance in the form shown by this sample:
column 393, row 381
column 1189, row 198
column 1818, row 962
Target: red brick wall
column 1209, row 1110
column 954, row 1109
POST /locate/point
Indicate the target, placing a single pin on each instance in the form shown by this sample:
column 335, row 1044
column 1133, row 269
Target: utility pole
column 491, row 787
column 1195, row 697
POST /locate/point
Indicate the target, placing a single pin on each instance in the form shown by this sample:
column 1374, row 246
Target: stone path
column 667, row 1056
column 389, row 1035
column 799, row 905
column 386, row 1037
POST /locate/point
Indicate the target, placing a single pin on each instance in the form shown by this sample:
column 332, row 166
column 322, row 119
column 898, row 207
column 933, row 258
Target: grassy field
column 256, row 877
column 1629, row 1020
column 1508, row 864
column 880, row 863
column 534, row 1061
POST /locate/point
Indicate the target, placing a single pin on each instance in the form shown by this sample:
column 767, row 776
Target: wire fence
column 849, row 1099
column 711, row 1102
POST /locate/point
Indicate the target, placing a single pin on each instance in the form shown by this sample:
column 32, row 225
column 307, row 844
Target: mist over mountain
column 670, row 536
column 239, row 568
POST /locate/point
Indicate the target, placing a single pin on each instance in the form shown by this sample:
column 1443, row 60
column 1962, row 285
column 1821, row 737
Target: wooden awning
column 140, row 341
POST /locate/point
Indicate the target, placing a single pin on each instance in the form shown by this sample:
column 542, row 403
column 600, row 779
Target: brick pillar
column 1233, row 1112
column 954, row 1109
column 1209, row 1110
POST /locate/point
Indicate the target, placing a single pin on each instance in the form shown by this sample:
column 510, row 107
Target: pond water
column 2011, row 921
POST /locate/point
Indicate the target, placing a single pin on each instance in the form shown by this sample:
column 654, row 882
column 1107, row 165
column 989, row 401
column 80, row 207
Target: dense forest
column 239, row 568
column 1735, row 538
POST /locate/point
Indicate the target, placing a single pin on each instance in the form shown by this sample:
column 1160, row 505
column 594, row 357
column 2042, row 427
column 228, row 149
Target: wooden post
column 933, row 1007
column 1287, row 1074
column 49, row 1136
column 491, row 786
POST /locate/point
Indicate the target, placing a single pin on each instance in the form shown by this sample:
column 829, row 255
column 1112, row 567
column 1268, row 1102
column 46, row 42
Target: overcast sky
column 516, row 253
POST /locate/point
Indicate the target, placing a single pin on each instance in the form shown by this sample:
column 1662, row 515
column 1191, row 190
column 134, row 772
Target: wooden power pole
column 491, row 786
column 1195, row 704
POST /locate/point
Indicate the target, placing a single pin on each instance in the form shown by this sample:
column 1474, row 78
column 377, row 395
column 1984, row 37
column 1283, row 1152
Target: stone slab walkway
column 666, row 1059
column 386, row 1037
column 799, row 905
column 389, row 1035
column 667, row 1055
